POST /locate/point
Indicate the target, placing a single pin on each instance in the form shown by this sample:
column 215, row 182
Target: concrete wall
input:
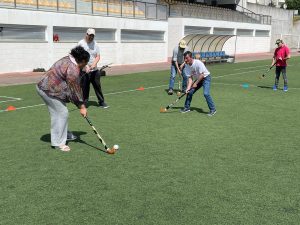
column 296, row 28
column 249, row 44
column 282, row 20
column 27, row 56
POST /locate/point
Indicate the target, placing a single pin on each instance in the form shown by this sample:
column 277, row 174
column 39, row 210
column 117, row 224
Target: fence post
column 166, row 12
column 146, row 11
column 121, row 8
column 133, row 9
column 107, row 7
column 92, row 5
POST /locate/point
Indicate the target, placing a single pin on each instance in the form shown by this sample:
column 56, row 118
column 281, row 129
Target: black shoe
column 71, row 136
column 170, row 91
column 86, row 103
column 103, row 105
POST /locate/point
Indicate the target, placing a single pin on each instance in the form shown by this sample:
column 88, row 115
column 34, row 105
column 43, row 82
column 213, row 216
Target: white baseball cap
column 91, row 31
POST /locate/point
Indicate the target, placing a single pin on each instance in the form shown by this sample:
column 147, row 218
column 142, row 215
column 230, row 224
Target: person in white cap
column 177, row 66
column 92, row 74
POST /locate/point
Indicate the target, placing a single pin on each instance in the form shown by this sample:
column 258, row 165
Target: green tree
column 293, row 4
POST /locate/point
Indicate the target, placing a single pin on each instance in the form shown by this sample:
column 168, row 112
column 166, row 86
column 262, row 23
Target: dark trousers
column 279, row 70
column 94, row 78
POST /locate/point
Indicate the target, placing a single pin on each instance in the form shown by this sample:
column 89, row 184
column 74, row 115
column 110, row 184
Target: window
column 196, row 30
column 223, row 31
column 142, row 35
column 75, row 34
column 19, row 33
column 262, row 33
column 244, row 32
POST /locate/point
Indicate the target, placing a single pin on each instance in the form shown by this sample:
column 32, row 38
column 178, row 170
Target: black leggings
column 94, row 78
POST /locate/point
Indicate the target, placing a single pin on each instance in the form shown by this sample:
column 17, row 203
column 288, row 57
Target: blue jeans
column 173, row 75
column 206, row 88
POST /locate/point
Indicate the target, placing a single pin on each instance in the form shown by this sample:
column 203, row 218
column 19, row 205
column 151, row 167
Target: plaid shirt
column 62, row 81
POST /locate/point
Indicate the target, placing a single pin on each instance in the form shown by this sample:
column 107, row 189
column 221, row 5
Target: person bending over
column 199, row 77
column 60, row 85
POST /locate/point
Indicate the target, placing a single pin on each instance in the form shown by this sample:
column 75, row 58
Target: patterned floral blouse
column 62, row 81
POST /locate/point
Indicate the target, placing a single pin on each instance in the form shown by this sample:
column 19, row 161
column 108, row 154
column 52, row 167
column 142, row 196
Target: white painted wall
column 247, row 45
column 282, row 19
column 244, row 44
column 27, row 56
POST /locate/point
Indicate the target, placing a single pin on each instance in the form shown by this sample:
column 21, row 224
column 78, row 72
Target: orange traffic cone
column 140, row 88
column 11, row 108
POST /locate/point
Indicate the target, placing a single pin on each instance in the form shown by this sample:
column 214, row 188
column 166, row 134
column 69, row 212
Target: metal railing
column 115, row 8
column 179, row 9
column 262, row 19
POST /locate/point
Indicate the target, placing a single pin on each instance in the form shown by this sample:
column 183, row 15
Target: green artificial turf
column 240, row 167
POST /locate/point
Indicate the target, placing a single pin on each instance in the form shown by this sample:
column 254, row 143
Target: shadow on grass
column 93, row 103
column 266, row 87
column 175, row 91
column 177, row 110
column 47, row 138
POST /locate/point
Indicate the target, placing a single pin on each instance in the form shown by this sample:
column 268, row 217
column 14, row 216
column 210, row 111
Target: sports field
column 240, row 167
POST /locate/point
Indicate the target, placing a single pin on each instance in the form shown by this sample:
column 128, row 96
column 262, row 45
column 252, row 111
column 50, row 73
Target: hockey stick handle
column 97, row 133
column 173, row 103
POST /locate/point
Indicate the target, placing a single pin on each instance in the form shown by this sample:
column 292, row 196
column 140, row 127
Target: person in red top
column 281, row 55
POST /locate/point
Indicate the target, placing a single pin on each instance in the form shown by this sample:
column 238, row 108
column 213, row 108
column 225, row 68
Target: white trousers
column 59, row 118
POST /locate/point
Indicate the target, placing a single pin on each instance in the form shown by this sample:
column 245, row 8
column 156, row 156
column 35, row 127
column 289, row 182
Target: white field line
column 10, row 99
column 245, row 68
column 250, row 85
column 112, row 93
column 233, row 74
column 25, row 107
column 146, row 88
column 121, row 92
column 252, row 67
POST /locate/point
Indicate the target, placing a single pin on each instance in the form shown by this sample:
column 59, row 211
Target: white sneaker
column 211, row 113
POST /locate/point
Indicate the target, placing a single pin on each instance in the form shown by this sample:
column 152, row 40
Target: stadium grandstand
column 139, row 32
